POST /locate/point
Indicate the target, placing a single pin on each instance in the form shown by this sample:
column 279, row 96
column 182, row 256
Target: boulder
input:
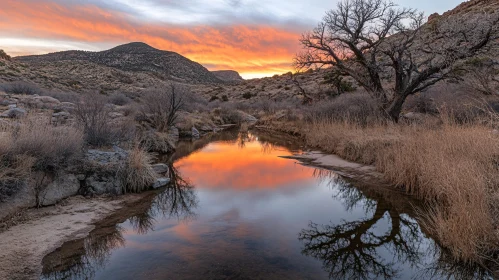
column 13, row 113
column 103, row 184
column 44, row 102
column 161, row 182
column 195, row 133
column 248, row 118
column 105, row 157
column 173, row 133
column 160, row 168
column 63, row 186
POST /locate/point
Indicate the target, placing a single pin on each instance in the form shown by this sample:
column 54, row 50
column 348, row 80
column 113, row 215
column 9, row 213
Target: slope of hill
column 228, row 75
column 134, row 57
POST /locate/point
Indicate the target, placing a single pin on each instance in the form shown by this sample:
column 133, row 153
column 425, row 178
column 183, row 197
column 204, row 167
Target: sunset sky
column 256, row 38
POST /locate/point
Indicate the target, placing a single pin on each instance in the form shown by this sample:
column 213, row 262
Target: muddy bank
column 23, row 246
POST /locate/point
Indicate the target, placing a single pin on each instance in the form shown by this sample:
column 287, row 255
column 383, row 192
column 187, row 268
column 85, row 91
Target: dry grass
column 35, row 145
column 137, row 175
column 454, row 168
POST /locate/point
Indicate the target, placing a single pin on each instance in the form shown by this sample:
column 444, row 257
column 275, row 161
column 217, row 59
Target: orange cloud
column 247, row 49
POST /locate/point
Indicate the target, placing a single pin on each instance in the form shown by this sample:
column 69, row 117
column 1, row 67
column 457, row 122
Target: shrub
column 137, row 175
column 72, row 97
column 21, row 87
column 359, row 108
column 119, row 99
column 92, row 114
column 158, row 142
column 4, row 55
column 52, row 147
column 225, row 98
column 247, row 95
column 160, row 107
column 213, row 98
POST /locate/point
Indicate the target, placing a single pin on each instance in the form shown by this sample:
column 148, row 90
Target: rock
column 103, row 157
column 115, row 115
column 81, row 177
column 12, row 106
column 160, row 168
column 195, row 133
column 412, row 116
column 44, row 102
column 248, row 118
column 161, row 182
column 433, row 16
column 13, row 113
column 64, row 186
column 103, row 184
column 173, row 133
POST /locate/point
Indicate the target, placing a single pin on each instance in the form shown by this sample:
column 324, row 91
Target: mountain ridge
column 135, row 57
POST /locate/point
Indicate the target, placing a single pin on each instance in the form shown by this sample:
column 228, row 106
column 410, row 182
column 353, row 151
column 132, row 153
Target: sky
column 255, row 38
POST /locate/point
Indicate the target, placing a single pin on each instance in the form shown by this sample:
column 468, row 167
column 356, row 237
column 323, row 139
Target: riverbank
column 451, row 167
column 42, row 230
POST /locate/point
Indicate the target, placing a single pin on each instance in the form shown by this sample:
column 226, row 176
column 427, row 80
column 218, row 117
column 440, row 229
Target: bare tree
column 161, row 107
column 372, row 40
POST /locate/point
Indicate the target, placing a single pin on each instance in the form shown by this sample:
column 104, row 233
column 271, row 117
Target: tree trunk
column 395, row 107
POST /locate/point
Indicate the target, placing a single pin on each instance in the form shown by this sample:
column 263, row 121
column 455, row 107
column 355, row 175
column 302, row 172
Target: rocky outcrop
column 13, row 112
column 228, row 75
column 64, row 185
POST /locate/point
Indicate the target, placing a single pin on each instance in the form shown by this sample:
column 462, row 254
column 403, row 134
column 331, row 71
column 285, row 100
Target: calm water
column 237, row 210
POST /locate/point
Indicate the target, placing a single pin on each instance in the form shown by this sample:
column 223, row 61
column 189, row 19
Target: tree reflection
column 351, row 250
column 81, row 259
column 179, row 200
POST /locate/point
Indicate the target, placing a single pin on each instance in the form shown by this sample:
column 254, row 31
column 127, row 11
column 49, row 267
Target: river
column 237, row 210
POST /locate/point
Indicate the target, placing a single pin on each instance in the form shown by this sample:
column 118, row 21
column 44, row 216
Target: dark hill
column 136, row 57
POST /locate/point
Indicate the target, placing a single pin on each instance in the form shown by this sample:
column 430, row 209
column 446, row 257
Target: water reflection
column 80, row 259
column 242, row 219
column 351, row 249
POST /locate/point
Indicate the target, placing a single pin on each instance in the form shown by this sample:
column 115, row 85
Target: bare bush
column 359, row 108
column 52, row 147
column 92, row 114
column 160, row 107
column 72, row 97
column 119, row 99
column 21, row 87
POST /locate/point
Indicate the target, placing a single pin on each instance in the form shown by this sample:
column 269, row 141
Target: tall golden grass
column 453, row 167
column 137, row 175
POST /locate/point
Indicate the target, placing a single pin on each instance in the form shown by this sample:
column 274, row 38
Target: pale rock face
column 195, row 133
column 64, row 186
column 13, row 113
column 161, row 182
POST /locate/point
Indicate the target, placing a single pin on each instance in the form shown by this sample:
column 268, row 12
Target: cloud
column 246, row 48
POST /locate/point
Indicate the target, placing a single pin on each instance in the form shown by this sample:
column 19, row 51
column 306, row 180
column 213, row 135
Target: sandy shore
column 23, row 246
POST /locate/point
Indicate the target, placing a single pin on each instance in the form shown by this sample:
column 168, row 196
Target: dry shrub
column 52, row 147
column 160, row 107
column 358, row 108
column 153, row 141
column 352, row 141
column 455, row 168
column 36, row 145
column 137, row 175
column 92, row 115
column 21, row 87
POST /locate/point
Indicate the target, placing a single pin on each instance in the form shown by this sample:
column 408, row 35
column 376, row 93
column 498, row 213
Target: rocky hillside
column 228, row 75
column 133, row 57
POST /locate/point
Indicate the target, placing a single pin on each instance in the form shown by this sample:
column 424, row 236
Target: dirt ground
column 41, row 231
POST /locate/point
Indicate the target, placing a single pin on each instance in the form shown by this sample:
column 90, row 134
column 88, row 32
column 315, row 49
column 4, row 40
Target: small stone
column 195, row 133
column 160, row 168
column 161, row 182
